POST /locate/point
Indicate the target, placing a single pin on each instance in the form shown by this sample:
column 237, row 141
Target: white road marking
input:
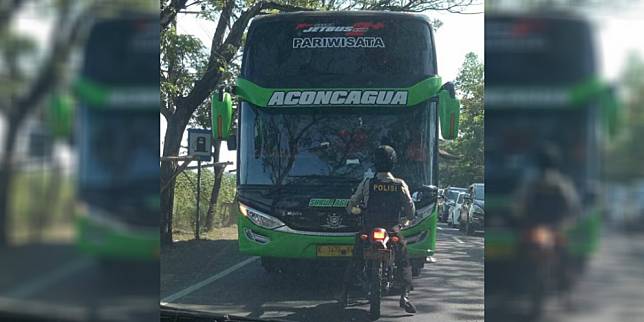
column 198, row 285
column 46, row 280
column 458, row 240
column 439, row 227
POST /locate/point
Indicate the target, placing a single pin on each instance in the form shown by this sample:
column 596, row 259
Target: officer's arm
column 357, row 196
column 408, row 207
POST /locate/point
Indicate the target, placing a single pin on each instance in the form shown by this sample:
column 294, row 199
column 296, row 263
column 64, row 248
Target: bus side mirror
column 448, row 111
column 425, row 195
column 221, row 106
column 610, row 110
column 60, row 116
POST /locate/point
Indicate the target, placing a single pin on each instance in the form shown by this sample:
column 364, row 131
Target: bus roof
column 552, row 48
column 546, row 15
column 121, row 64
column 298, row 15
column 123, row 51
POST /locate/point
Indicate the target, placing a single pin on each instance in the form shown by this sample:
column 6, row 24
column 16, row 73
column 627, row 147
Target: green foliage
column 185, row 198
column 623, row 156
column 17, row 51
column 29, row 220
column 183, row 59
column 468, row 168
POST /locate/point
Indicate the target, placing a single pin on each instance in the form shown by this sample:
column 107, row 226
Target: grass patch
column 41, row 207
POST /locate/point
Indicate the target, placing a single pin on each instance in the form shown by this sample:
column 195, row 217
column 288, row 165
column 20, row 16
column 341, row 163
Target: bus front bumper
column 108, row 242
column 258, row 241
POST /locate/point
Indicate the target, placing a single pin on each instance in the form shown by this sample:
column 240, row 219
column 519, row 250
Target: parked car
column 451, row 193
column 455, row 211
column 475, row 209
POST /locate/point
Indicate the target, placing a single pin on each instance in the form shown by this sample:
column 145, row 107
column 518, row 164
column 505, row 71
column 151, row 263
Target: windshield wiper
column 169, row 313
column 324, row 177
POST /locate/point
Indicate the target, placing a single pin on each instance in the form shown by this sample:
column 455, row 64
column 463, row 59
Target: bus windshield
column 326, row 52
column 115, row 159
column 511, row 147
column 316, row 145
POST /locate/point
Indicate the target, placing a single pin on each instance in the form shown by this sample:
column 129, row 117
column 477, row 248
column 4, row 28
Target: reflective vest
column 384, row 204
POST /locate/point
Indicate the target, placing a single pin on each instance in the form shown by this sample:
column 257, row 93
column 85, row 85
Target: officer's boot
column 405, row 303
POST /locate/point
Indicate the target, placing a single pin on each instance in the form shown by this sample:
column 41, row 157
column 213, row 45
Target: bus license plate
column 334, row 250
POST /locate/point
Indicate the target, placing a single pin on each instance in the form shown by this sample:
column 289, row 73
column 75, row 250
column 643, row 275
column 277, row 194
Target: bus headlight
column 259, row 218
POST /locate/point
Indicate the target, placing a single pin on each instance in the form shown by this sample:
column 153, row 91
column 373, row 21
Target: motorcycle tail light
column 542, row 236
column 364, row 237
column 379, row 234
column 395, row 239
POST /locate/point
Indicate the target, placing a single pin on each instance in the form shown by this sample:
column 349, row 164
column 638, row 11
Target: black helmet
column 384, row 158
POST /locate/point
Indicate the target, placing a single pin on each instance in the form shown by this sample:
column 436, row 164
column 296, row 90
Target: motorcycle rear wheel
column 376, row 290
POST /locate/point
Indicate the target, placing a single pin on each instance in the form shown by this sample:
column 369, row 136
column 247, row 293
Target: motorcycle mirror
column 426, row 195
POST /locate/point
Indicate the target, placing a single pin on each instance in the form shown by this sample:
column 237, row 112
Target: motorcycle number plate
column 382, row 255
column 334, row 250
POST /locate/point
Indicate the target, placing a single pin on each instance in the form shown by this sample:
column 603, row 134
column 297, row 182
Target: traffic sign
column 200, row 144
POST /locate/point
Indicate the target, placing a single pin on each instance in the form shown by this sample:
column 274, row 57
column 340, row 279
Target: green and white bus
column 318, row 92
column 115, row 125
column 542, row 87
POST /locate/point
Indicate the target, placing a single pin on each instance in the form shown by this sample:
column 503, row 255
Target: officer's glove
column 356, row 210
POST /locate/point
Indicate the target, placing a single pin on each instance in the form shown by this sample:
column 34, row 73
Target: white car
column 455, row 212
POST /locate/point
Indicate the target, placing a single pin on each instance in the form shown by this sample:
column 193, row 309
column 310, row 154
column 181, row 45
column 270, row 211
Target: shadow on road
column 449, row 290
column 56, row 281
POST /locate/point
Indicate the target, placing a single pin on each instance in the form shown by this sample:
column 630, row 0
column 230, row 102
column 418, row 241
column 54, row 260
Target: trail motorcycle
column 541, row 246
column 379, row 270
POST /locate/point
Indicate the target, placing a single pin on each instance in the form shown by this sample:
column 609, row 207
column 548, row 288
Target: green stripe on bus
column 416, row 94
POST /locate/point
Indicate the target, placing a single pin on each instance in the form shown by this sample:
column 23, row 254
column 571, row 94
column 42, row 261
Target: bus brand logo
column 338, row 203
column 339, row 42
column 338, row 97
column 357, row 29
column 334, row 220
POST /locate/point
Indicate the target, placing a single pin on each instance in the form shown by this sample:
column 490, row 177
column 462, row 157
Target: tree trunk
column 172, row 142
column 6, row 174
column 221, row 55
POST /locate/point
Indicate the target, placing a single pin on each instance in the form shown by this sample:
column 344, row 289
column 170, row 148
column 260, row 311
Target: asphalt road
column 610, row 289
column 57, row 282
column 229, row 283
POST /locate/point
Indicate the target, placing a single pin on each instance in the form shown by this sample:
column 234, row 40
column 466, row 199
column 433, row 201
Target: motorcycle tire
column 376, row 290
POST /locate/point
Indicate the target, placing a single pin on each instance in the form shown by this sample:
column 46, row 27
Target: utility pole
column 198, row 198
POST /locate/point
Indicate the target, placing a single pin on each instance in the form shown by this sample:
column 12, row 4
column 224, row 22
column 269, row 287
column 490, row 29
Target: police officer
column 550, row 197
column 385, row 198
